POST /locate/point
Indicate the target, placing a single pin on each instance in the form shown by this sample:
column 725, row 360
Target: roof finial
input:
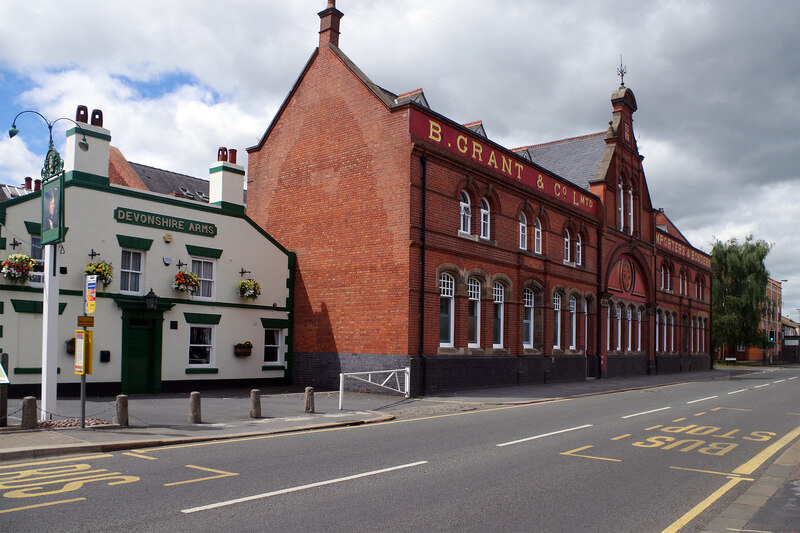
column 621, row 71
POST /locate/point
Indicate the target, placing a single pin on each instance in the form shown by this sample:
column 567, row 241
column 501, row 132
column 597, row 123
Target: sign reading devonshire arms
column 687, row 252
column 468, row 146
column 154, row 220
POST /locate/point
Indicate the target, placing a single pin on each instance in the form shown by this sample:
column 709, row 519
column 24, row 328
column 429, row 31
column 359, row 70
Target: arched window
column 608, row 328
column 620, row 206
column 527, row 319
column 585, row 326
column 630, row 329
column 466, row 213
column 671, row 346
column 638, row 330
column 537, row 236
column 485, row 219
column 658, row 315
column 474, row 313
column 498, row 293
column 566, row 246
column 573, row 323
column 663, row 277
column 630, row 211
column 683, row 283
column 619, row 327
column 446, row 295
column 556, row 321
column 523, row 232
column 578, row 251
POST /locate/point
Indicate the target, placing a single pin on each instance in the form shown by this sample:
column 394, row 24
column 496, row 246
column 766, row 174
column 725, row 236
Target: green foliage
column 738, row 292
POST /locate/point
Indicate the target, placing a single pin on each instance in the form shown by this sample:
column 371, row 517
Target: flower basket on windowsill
column 243, row 349
column 104, row 272
column 186, row 282
column 249, row 288
column 17, row 268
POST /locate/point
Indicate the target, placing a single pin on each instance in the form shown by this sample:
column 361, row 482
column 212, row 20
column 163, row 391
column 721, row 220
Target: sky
column 717, row 84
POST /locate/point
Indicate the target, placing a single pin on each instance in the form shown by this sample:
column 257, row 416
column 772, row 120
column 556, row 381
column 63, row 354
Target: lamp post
column 52, row 234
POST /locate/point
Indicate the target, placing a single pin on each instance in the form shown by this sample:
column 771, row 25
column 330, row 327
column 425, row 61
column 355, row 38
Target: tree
column 738, row 292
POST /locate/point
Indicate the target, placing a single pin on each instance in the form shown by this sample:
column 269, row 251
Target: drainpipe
column 424, row 161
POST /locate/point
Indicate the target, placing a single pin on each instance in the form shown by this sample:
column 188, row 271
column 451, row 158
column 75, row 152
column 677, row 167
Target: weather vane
column 621, row 71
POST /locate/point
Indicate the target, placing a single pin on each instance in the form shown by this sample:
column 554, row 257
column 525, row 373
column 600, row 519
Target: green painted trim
column 202, row 370
column 1, row 331
column 89, row 133
column 85, row 178
column 2, row 307
column 33, row 306
column 273, row 367
column 32, row 370
column 201, row 251
column 201, row 318
column 274, row 323
column 136, row 243
column 33, row 228
column 221, row 166
column 126, row 215
column 229, row 208
column 2, row 243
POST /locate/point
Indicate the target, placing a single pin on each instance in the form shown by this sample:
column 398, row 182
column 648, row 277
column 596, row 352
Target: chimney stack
column 88, row 145
column 329, row 25
column 226, row 181
column 28, row 183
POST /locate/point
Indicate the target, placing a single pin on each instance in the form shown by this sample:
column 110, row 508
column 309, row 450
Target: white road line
column 737, row 391
column 795, row 377
column 299, row 488
column 702, row 399
column 762, row 385
column 647, row 412
column 543, row 435
column 779, row 381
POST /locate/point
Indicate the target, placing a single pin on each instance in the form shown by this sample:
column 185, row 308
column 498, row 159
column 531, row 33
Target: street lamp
column 52, row 234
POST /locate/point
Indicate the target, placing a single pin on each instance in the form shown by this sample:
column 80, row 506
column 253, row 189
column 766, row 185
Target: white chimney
column 88, row 145
column 226, row 180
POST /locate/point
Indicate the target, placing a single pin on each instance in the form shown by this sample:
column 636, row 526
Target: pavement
column 771, row 504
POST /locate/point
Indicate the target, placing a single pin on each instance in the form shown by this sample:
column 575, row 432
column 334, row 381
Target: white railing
column 403, row 388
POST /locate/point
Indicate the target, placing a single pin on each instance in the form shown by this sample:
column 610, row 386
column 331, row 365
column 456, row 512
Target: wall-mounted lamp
column 151, row 300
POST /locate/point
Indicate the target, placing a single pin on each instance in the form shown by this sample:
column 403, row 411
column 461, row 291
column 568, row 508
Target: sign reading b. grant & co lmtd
column 154, row 220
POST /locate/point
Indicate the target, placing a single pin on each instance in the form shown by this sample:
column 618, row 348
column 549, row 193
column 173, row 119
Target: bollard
column 194, row 408
column 309, row 399
column 29, row 412
column 121, row 418
column 255, row 403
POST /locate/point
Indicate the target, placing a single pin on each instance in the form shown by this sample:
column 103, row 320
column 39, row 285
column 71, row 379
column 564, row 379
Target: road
column 663, row 459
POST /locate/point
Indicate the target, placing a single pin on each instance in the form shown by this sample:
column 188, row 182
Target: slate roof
column 9, row 192
column 172, row 183
column 575, row 159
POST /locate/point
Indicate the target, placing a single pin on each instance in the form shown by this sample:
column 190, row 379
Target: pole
column 49, row 332
column 83, row 400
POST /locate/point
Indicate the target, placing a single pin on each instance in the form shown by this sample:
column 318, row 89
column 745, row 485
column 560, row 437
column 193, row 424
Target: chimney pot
column 232, row 156
column 28, row 183
column 97, row 118
column 82, row 114
column 222, row 154
column 37, row 184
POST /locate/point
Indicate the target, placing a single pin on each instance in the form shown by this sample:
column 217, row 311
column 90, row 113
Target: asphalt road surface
column 663, row 459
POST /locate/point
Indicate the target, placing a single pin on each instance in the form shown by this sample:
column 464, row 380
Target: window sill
column 276, row 366
column 531, row 351
column 531, row 253
column 205, row 370
column 484, row 240
column 467, row 236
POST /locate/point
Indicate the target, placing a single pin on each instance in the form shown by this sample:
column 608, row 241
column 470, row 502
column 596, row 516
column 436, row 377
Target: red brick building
column 417, row 236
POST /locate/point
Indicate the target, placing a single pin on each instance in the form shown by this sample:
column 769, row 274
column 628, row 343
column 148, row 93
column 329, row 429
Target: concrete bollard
column 29, row 417
column 309, row 399
column 255, row 403
column 121, row 418
column 194, row 408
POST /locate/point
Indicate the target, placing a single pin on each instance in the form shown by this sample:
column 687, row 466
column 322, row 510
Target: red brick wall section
column 331, row 184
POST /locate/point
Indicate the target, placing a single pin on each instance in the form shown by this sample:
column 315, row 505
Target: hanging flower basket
column 17, row 268
column 249, row 288
column 243, row 349
column 186, row 282
column 104, row 272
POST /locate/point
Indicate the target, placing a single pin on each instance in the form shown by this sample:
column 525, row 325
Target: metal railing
column 403, row 388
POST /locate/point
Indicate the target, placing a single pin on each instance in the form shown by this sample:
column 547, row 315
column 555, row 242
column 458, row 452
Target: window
column 204, row 268
column 273, row 346
column 671, row 333
column 566, row 246
column 466, row 213
column 620, row 207
column 446, row 293
column 608, row 328
column 573, row 324
column 658, row 314
column 630, row 330
column 201, row 345
column 578, row 252
column 585, row 326
column 498, row 291
column 523, row 232
column 663, row 276
column 537, row 236
column 130, row 272
column 630, row 211
column 619, row 327
column 485, row 219
column 638, row 330
column 37, row 253
column 683, row 283
column 474, row 316
column 556, row 321
column 527, row 319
